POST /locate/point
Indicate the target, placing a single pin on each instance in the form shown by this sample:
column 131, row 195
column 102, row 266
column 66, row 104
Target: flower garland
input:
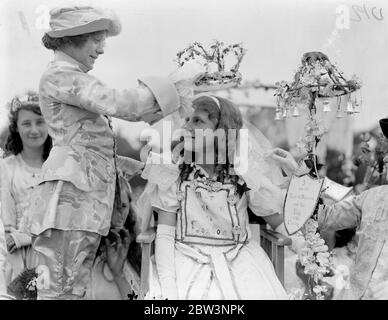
column 315, row 257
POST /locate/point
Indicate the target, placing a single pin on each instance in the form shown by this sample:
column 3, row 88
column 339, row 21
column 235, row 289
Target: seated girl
column 27, row 147
column 203, row 247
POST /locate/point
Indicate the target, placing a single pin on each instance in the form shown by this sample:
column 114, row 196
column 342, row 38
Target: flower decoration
column 315, row 257
column 233, row 199
column 215, row 186
column 24, row 286
column 316, row 78
column 180, row 195
column 218, row 75
column 237, row 230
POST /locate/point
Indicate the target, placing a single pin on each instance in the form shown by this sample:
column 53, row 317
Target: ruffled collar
column 61, row 56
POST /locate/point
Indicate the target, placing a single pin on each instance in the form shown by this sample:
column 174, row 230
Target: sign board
column 301, row 199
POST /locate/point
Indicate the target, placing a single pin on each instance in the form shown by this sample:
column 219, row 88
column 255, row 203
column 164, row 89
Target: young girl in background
column 27, row 147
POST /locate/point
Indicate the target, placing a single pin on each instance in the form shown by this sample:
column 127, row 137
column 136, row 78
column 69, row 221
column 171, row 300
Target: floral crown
column 28, row 99
column 221, row 61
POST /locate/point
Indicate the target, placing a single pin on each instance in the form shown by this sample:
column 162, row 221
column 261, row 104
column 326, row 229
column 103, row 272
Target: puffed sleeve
column 165, row 199
column 264, row 202
column 344, row 214
column 8, row 208
column 65, row 83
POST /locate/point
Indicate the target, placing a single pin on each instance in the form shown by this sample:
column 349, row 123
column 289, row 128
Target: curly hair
column 14, row 144
column 58, row 43
column 225, row 117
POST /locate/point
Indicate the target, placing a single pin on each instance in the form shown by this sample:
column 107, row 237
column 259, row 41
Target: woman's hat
column 384, row 126
column 73, row 21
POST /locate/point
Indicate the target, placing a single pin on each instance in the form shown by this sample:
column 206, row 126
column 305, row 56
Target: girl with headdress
column 203, row 247
column 27, row 147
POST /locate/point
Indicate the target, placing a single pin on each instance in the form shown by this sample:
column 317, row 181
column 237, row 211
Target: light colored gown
column 17, row 177
column 215, row 255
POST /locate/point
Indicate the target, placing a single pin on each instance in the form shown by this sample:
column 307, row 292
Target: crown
column 30, row 98
column 221, row 61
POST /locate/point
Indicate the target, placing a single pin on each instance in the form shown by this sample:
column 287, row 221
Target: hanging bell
column 349, row 107
column 339, row 114
column 326, row 105
column 286, row 113
column 295, row 112
column 356, row 107
column 278, row 115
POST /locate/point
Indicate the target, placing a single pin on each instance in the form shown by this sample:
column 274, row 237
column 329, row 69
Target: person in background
column 368, row 212
column 115, row 273
column 27, row 147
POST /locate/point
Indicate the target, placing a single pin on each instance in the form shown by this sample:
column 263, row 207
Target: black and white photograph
column 197, row 150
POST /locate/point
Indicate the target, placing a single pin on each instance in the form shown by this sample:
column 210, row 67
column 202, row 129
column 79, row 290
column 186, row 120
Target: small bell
column 278, row 116
column 349, row 108
column 339, row 114
column 296, row 113
column 286, row 113
column 326, row 105
column 356, row 107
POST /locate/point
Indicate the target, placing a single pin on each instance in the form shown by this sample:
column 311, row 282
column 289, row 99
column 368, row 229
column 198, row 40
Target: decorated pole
column 316, row 78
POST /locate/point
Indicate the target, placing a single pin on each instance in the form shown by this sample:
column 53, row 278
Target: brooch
column 237, row 230
column 232, row 199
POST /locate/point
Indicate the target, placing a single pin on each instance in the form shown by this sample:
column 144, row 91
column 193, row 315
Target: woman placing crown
column 78, row 197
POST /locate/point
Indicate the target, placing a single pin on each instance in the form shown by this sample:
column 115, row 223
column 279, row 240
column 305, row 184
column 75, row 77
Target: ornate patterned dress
column 215, row 255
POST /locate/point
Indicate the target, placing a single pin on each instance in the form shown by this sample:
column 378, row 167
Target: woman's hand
column 116, row 253
column 380, row 291
column 284, row 159
column 188, row 73
column 11, row 245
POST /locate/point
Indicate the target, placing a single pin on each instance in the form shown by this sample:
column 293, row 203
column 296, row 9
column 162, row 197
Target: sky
column 275, row 34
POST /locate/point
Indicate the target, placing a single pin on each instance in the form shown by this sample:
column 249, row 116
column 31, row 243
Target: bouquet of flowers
column 24, row 286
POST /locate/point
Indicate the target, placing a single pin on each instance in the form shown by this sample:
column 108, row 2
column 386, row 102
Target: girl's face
column 32, row 129
column 199, row 131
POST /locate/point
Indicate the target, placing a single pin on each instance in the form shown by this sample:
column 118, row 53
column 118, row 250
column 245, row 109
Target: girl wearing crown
column 203, row 247
column 27, row 147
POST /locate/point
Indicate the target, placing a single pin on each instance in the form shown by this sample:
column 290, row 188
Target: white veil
column 262, row 175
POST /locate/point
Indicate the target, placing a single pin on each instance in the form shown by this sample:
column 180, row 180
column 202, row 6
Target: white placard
column 301, row 199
